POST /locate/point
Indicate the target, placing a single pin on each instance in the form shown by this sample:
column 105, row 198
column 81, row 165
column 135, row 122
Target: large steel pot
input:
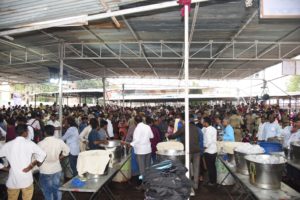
column 116, row 149
column 288, row 153
column 241, row 165
column 175, row 155
column 295, row 151
column 112, row 143
column 263, row 174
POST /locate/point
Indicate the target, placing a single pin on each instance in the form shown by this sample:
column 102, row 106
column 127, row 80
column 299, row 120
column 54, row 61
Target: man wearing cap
column 54, row 122
column 236, row 122
column 19, row 153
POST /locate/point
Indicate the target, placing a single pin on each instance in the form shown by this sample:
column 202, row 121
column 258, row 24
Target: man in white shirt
column 35, row 124
column 110, row 130
column 271, row 128
column 54, row 122
column 50, row 170
column 22, row 120
column 141, row 144
column 210, row 150
column 71, row 137
column 84, row 135
column 291, row 133
column 261, row 129
column 19, row 153
column 85, row 108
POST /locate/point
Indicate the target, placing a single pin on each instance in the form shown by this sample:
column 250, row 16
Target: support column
column 186, row 89
column 104, row 92
column 56, row 98
column 60, row 86
column 123, row 93
column 35, row 101
column 60, row 92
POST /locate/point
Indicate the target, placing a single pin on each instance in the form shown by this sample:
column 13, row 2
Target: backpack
column 167, row 181
column 37, row 133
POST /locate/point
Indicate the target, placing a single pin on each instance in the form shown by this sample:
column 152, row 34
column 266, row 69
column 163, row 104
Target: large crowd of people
column 34, row 137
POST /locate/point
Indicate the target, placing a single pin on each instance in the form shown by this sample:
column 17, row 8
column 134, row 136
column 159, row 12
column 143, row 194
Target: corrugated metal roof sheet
column 15, row 13
column 218, row 22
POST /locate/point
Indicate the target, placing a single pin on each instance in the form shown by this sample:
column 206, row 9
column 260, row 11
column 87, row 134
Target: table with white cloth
column 249, row 191
column 95, row 185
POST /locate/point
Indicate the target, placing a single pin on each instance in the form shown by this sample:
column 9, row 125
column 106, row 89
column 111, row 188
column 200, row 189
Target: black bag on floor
column 167, row 181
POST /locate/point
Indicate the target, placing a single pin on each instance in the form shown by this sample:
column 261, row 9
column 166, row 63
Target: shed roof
column 228, row 41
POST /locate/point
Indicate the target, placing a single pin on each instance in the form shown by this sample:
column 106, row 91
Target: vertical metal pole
column 123, row 93
column 60, row 86
column 186, row 89
column 34, row 100
column 56, row 98
column 104, row 92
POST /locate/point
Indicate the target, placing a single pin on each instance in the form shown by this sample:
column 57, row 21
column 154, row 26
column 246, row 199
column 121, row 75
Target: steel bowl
column 279, row 140
column 264, row 175
column 295, row 151
column 241, row 165
column 111, row 144
column 175, row 155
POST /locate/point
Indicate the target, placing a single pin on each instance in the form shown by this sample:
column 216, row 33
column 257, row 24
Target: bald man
column 228, row 133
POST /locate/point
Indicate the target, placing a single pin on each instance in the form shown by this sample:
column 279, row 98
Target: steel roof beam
column 210, row 65
column 267, row 49
column 77, row 52
column 142, row 49
column 109, row 49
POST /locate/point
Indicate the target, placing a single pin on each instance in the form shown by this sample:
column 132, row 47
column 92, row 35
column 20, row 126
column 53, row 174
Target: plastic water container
column 271, row 147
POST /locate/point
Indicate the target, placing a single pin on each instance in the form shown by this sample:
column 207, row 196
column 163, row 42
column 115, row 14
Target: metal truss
column 243, row 51
column 161, row 50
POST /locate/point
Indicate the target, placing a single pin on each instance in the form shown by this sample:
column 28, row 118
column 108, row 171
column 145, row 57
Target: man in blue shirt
column 228, row 133
column 96, row 136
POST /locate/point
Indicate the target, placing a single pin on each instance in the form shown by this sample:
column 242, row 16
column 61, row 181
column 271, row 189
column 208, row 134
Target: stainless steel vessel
column 176, row 155
column 295, row 151
column 264, row 175
column 241, row 165
column 117, row 151
column 112, row 143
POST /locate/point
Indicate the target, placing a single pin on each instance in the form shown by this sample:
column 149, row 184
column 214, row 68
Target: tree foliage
column 294, row 84
column 89, row 84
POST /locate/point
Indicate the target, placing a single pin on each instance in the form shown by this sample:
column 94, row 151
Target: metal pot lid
column 296, row 143
column 111, row 144
column 171, row 153
column 266, row 159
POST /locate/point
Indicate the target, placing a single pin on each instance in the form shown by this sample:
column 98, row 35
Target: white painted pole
column 123, row 93
column 186, row 89
column 60, row 92
column 104, row 93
